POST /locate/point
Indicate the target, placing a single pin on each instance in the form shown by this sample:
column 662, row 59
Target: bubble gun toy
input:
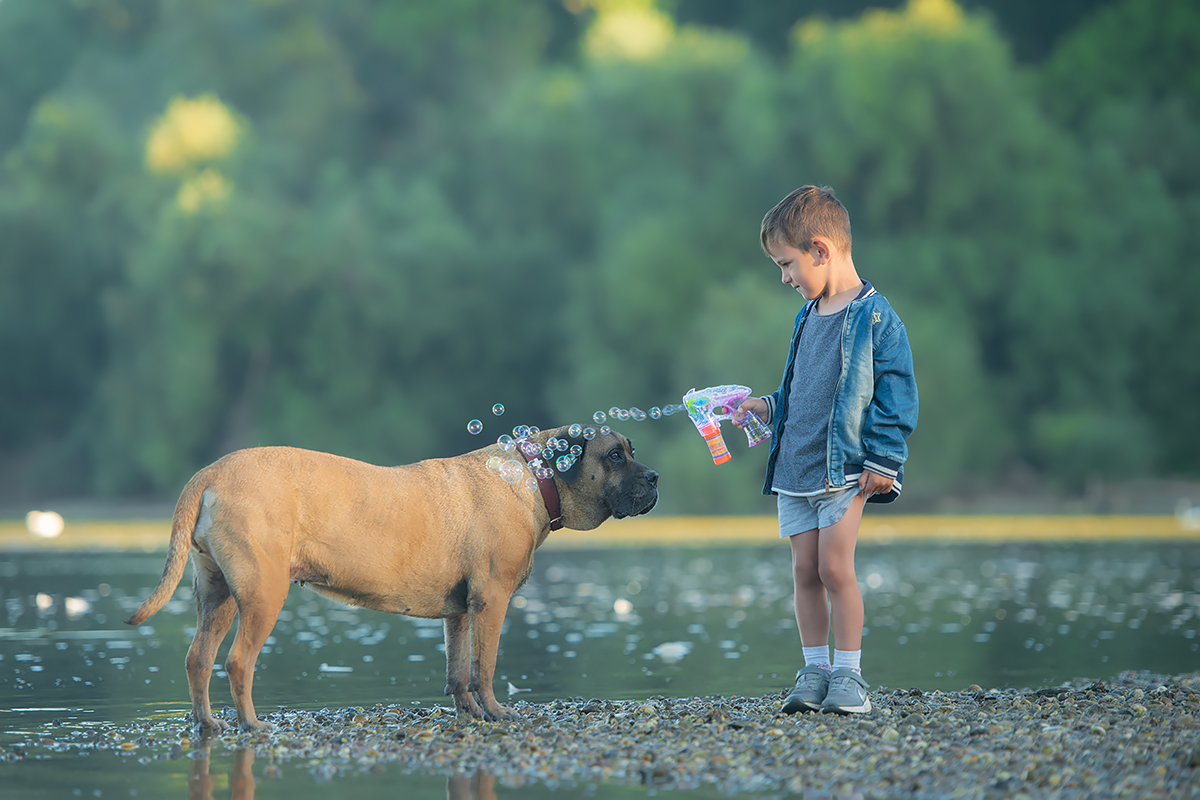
column 707, row 407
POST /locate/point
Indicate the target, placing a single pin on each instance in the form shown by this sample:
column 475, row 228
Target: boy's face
column 799, row 268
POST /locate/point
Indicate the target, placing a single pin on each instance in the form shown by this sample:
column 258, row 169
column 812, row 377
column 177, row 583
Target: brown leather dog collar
column 549, row 494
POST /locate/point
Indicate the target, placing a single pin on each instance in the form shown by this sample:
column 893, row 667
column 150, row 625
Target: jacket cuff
column 770, row 408
column 882, row 466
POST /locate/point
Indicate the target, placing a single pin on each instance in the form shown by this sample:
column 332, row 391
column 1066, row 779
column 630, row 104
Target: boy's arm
column 892, row 412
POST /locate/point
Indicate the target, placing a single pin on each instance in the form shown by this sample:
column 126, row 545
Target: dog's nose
column 652, row 478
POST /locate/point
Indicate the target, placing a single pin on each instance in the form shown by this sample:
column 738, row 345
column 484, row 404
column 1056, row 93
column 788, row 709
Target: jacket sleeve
column 892, row 413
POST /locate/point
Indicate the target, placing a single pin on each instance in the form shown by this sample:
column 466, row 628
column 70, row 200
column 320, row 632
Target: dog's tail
column 187, row 510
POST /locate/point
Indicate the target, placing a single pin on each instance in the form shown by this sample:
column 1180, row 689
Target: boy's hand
column 870, row 483
column 756, row 406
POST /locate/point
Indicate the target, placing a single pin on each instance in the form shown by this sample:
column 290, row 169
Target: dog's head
column 604, row 480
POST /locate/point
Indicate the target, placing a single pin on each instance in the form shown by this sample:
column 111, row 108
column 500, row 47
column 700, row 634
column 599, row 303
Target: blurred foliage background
column 354, row 225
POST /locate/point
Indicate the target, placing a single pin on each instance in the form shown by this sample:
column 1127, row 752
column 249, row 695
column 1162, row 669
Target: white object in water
column 44, row 524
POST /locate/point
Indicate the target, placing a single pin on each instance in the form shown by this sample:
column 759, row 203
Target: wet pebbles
column 1135, row 736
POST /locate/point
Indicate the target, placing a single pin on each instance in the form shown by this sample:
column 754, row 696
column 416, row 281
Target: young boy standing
column 847, row 403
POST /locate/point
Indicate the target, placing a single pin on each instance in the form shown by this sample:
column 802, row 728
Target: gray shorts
column 800, row 514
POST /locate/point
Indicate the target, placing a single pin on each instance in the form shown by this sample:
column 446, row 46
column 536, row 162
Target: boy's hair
column 807, row 212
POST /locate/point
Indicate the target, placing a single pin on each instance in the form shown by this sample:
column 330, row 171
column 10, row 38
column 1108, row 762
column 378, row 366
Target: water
column 615, row 623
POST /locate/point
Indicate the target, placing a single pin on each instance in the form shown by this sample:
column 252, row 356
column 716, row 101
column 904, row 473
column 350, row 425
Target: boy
column 847, row 403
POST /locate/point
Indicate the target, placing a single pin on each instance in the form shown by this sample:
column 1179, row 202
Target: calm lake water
column 615, row 623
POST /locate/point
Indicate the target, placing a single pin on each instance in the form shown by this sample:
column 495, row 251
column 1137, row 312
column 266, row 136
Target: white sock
column 847, row 659
column 818, row 656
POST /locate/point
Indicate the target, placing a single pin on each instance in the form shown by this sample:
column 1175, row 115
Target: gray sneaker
column 811, row 684
column 847, row 693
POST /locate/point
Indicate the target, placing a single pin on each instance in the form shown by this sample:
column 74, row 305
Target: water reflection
column 241, row 776
column 621, row 623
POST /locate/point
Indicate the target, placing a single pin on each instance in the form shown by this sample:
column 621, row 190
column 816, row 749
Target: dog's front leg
column 458, row 665
column 486, row 616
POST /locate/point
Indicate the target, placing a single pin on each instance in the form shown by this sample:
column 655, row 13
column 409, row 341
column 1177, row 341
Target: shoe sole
column 863, row 709
column 791, row 706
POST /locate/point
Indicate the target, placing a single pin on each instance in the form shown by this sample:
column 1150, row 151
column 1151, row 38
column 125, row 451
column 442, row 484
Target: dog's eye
column 616, row 456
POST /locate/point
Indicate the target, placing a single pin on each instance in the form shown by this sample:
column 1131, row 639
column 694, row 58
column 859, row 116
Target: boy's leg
column 812, row 606
column 835, row 551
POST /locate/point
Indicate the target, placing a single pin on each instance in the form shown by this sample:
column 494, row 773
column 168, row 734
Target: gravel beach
column 1136, row 735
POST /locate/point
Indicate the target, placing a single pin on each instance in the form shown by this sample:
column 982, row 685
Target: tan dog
column 443, row 538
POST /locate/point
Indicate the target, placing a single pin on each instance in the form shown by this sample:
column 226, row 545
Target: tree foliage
column 354, row 226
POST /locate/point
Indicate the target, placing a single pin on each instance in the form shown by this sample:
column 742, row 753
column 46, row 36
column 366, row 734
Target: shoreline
column 152, row 535
column 1135, row 735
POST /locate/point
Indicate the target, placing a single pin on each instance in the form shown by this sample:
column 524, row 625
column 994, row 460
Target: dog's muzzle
column 639, row 497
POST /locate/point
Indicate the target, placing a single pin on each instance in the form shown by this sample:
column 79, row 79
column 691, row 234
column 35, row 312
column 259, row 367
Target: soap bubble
column 564, row 463
column 493, row 463
column 575, row 430
column 534, row 430
column 474, row 427
column 599, row 417
column 655, row 412
column 547, row 454
column 531, row 484
column 521, row 432
column 529, row 448
column 498, row 409
column 576, row 450
column 511, row 471
column 560, row 445
column 545, row 473
column 637, row 414
column 614, row 411
column 589, row 433
column 506, row 443
column 605, row 430
column 622, row 415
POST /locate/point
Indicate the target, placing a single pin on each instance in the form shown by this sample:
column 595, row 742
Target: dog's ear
column 572, row 473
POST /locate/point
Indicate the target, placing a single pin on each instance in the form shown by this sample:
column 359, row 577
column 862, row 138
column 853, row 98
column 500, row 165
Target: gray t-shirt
column 803, row 461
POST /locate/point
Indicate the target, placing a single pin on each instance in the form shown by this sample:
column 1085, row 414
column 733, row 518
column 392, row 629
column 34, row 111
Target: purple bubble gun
column 707, row 407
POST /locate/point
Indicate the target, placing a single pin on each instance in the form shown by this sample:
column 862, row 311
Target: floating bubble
column 605, row 430
column 655, row 412
column 474, row 427
column 560, row 445
column 493, row 463
column 589, row 433
column 575, row 430
column 622, row 415
column 545, row 473
column 498, row 409
column 576, row 450
column 564, row 463
column 614, row 411
column 534, row 430
column 511, row 471
column 637, row 414
column 529, row 448
column 599, row 417
column 506, row 443
column 531, row 484
column 548, row 454
column 521, row 432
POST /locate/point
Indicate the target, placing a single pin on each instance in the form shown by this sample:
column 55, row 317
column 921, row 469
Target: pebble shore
column 1136, row 735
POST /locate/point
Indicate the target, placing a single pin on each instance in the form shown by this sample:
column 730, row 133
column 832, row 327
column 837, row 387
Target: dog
column 442, row 538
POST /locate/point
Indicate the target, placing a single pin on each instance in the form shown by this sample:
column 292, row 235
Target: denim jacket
column 874, row 402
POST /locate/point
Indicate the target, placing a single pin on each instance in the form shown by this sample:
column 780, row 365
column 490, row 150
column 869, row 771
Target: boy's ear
column 820, row 251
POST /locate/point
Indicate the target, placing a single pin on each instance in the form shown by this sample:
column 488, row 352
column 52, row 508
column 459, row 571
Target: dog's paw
column 256, row 726
column 210, row 725
column 499, row 713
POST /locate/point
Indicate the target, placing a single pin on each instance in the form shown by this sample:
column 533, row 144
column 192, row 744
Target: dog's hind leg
column 458, row 665
column 260, row 598
column 215, row 610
